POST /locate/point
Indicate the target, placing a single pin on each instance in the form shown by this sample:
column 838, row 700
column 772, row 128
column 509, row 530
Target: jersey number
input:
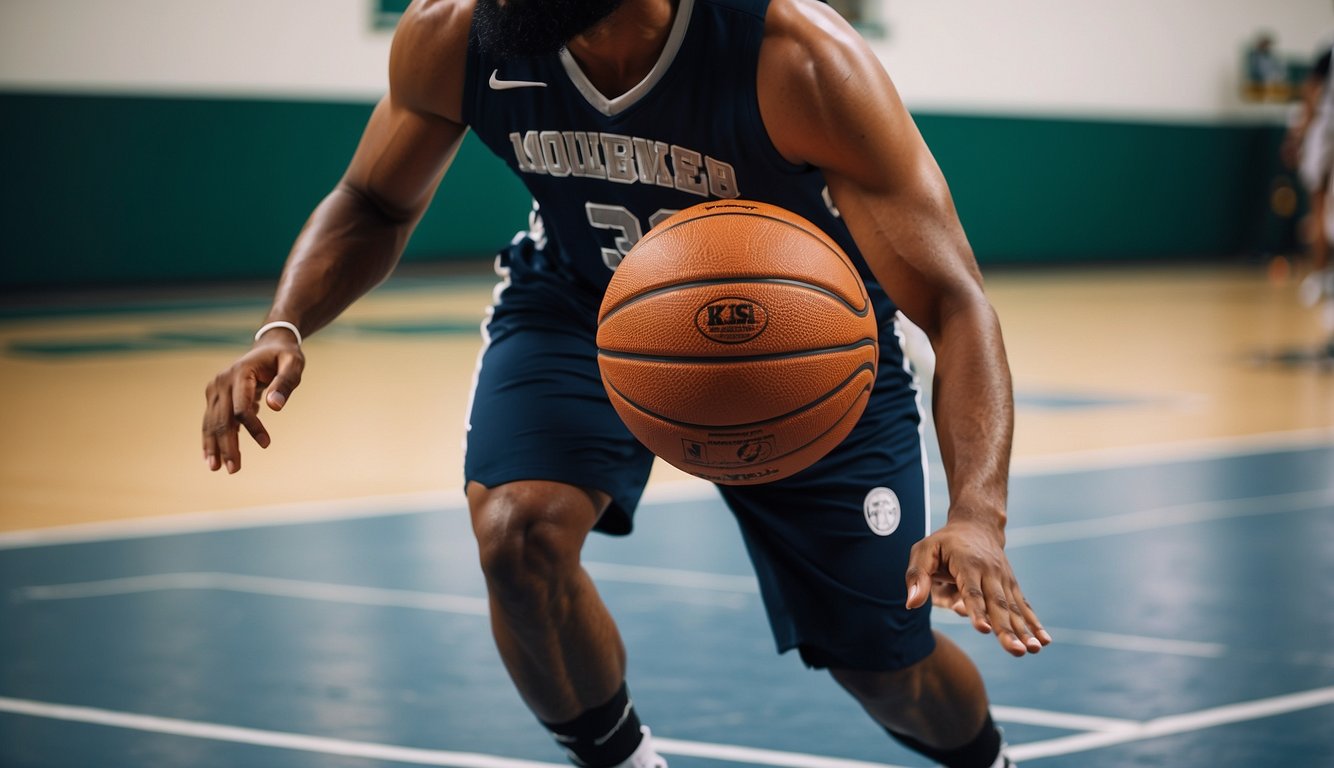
column 623, row 225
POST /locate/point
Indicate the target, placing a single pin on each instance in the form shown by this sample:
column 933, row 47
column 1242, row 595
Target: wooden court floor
column 102, row 397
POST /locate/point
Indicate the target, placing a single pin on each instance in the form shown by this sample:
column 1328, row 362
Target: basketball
column 737, row 342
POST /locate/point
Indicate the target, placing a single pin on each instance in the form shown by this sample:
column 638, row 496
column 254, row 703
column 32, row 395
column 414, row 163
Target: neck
column 620, row 52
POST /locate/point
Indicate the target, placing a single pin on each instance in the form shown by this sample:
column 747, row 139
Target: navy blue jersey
column 603, row 171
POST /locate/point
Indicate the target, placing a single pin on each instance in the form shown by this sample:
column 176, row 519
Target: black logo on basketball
column 731, row 320
column 753, row 451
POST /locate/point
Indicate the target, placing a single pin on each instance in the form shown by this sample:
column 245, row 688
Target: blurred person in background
column 1309, row 147
column 1266, row 73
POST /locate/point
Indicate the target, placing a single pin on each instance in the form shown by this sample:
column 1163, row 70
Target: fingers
column 1011, row 629
column 996, row 605
column 923, row 561
column 288, row 378
column 232, row 401
column 972, row 576
column 974, row 601
column 220, row 429
column 1031, row 616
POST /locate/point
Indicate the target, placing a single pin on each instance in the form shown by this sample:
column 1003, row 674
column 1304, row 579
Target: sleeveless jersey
column 603, row 171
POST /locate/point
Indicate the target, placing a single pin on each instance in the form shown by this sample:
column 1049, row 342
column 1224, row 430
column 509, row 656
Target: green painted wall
column 112, row 190
column 99, row 190
column 1063, row 190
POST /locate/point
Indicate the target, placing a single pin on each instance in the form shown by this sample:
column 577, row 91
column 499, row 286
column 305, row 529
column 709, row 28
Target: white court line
column 672, row 577
column 353, row 594
column 255, row 736
column 1166, row 517
column 1111, row 640
column 415, row 756
column 427, row 601
column 295, row 513
column 756, row 756
column 1138, row 643
column 669, row 492
column 1109, row 732
column 1174, row 724
column 419, row 503
column 477, row 606
column 261, row 585
column 1064, row 720
column 1185, row 450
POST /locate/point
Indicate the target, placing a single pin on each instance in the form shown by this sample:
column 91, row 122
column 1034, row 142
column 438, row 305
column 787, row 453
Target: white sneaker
column 644, row 755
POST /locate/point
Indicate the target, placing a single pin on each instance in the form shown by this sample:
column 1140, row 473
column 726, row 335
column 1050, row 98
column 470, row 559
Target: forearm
column 347, row 247
column 973, row 402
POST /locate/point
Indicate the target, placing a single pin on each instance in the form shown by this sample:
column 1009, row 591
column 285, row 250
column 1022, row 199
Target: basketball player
column 1311, row 140
column 615, row 113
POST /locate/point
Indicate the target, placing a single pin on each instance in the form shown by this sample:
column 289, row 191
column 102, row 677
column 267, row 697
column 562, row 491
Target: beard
column 536, row 27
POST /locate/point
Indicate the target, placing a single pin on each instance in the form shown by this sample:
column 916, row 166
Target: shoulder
column 809, row 33
column 429, row 55
column 818, row 79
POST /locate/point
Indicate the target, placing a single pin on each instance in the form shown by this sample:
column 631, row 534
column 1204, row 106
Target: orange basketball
column 737, row 342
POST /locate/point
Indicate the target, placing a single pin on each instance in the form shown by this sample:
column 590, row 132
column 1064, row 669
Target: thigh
column 539, row 412
column 830, row 544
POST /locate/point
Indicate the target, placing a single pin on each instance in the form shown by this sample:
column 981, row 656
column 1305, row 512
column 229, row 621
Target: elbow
column 965, row 311
column 376, row 206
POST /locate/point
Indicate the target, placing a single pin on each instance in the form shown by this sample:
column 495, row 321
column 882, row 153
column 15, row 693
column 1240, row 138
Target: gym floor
column 1172, row 518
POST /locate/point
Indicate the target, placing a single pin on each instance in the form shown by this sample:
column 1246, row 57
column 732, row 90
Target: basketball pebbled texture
column 737, row 342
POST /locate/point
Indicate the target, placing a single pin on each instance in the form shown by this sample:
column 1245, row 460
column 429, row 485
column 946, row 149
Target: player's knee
column 893, row 689
column 528, row 539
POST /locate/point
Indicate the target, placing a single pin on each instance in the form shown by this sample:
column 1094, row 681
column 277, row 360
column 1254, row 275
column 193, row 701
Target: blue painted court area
column 1190, row 601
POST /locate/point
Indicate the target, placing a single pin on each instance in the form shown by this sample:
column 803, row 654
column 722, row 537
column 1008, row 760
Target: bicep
column 401, row 158
column 834, row 107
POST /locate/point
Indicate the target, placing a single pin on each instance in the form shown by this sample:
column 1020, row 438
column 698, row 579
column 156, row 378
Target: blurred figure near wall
column 1309, row 147
column 1266, row 73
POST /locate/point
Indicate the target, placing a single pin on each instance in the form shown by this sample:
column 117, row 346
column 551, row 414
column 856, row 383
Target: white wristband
column 265, row 328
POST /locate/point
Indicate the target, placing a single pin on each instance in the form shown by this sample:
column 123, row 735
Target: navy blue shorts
column 830, row 544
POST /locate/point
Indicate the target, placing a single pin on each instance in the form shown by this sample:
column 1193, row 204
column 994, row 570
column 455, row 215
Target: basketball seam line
column 862, row 312
column 754, row 424
column 820, row 235
column 699, row 360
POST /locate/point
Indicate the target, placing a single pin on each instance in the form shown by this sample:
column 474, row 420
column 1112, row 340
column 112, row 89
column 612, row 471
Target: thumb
column 922, row 562
column 287, row 379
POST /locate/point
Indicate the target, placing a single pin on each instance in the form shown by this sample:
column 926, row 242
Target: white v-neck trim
column 611, row 107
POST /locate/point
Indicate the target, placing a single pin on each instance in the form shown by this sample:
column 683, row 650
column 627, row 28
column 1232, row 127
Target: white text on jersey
column 624, row 160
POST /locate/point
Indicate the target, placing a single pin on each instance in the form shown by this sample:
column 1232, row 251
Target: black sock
column 604, row 735
column 981, row 752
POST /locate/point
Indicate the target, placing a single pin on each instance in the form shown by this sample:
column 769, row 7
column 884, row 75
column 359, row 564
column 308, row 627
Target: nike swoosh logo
column 503, row 85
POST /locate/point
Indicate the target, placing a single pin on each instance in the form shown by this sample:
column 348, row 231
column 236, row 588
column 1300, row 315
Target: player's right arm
column 356, row 235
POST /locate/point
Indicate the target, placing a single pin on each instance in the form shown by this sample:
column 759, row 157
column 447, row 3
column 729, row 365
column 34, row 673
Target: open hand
column 963, row 567
column 232, row 397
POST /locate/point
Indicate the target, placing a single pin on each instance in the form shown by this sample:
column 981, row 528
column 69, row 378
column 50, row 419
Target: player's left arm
column 827, row 101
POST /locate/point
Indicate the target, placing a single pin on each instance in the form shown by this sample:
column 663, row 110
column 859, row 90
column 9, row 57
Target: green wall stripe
column 133, row 190
column 114, row 190
column 1047, row 190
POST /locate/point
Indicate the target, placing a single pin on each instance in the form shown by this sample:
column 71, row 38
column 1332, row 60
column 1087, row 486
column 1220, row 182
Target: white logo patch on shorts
column 882, row 511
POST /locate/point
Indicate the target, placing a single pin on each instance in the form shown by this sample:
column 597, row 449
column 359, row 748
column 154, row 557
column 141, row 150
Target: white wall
column 1156, row 59
column 320, row 48
column 1172, row 59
